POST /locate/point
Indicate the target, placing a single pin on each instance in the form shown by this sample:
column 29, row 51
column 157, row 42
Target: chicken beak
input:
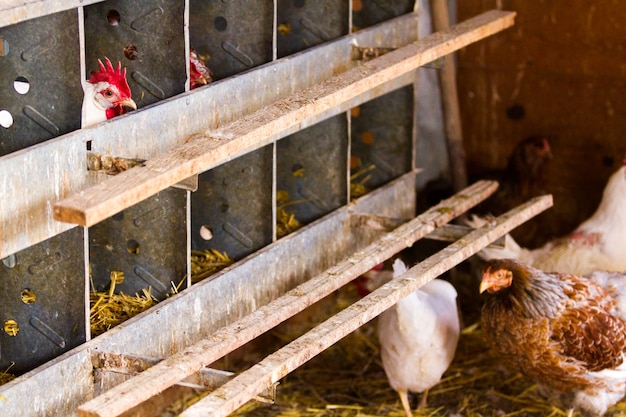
column 485, row 284
column 129, row 103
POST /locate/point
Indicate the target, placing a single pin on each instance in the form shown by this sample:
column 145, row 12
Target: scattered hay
column 286, row 221
column 108, row 309
column 207, row 262
column 5, row 376
column 358, row 180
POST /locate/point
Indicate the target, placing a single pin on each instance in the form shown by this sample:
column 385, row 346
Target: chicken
column 199, row 73
column 418, row 337
column 521, row 179
column 107, row 94
column 599, row 243
column 559, row 330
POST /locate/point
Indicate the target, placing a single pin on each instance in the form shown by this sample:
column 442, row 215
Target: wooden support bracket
column 271, row 123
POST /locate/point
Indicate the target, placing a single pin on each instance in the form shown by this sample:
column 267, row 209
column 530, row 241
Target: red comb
column 112, row 76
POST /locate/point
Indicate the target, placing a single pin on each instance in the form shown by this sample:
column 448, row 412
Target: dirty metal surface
column 43, row 293
column 369, row 13
column 311, row 166
column 15, row 11
column 233, row 205
column 231, row 36
column 147, row 242
column 229, row 295
column 382, row 132
column 55, row 168
column 41, row 94
column 147, row 36
column 302, row 24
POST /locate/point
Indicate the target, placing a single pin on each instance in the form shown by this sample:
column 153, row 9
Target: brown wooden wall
column 560, row 72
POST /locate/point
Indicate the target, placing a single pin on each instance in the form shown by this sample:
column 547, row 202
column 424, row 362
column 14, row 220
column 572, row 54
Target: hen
column 107, row 94
column 599, row 243
column 560, row 330
column 418, row 337
column 521, row 179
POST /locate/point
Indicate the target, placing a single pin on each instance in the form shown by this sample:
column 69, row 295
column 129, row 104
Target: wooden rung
column 206, row 379
column 268, row 124
column 245, row 386
column 170, row 371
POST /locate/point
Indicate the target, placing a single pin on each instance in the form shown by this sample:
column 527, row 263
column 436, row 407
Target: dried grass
column 358, row 180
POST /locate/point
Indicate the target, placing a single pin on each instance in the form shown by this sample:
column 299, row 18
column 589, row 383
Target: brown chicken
column 559, row 330
column 521, row 179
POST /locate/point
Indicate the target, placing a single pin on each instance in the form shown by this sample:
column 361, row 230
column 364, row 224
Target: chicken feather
column 560, row 330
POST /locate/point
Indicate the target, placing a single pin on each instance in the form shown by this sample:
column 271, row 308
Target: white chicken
column 107, row 94
column 418, row 337
column 599, row 243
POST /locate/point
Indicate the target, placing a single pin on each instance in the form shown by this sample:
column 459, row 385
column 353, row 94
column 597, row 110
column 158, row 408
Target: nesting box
column 308, row 99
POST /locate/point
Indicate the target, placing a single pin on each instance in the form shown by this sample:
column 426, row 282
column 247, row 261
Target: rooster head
column 199, row 73
column 111, row 92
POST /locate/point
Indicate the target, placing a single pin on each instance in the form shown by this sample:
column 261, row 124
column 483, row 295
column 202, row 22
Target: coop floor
column 348, row 379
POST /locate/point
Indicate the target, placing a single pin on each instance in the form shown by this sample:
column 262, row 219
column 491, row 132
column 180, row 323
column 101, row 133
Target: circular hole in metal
column 6, row 119
column 130, row 52
column 220, row 23
column 206, row 233
column 28, row 296
column 117, row 276
column 297, row 170
column 367, row 138
column 21, row 85
column 133, row 246
column 10, row 261
column 4, row 47
column 11, row 327
column 114, row 17
column 298, row 3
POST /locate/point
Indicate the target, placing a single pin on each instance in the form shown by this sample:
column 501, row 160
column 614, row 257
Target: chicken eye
column 108, row 93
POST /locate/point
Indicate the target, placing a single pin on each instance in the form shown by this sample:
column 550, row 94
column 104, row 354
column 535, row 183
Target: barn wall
column 559, row 72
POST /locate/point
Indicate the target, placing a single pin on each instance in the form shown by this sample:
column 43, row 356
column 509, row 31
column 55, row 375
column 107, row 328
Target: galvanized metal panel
column 187, row 317
column 302, row 24
column 234, row 202
column 31, row 180
column 41, row 89
column 56, row 168
column 147, row 36
column 43, row 292
column 15, row 11
column 382, row 133
column 376, row 11
column 147, row 242
column 232, row 36
column 311, row 166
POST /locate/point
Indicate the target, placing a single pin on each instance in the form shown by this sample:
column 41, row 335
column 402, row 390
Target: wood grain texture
column 559, row 73
column 177, row 367
column 268, row 124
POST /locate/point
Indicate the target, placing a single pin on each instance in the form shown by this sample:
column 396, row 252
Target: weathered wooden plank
column 245, row 386
column 277, row 120
column 177, row 367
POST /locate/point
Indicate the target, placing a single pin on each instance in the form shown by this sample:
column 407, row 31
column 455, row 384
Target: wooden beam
column 245, row 386
column 203, row 152
column 170, row 371
column 450, row 102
